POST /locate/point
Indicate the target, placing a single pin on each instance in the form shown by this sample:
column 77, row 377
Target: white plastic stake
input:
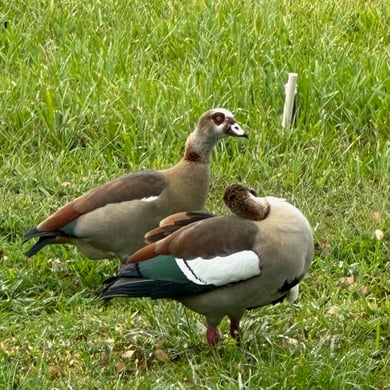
column 290, row 90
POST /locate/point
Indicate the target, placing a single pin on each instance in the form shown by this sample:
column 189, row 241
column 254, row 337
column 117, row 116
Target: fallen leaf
column 332, row 310
column 120, row 367
column 379, row 234
column 188, row 382
column 128, row 354
column 74, row 358
column 110, row 341
column 326, row 337
column 347, row 281
column 161, row 356
column 324, row 245
column 363, row 290
column 54, row 370
column 105, row 360
column 289, row 340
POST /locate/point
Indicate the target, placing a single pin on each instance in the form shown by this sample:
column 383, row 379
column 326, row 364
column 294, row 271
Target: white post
column 290, row 90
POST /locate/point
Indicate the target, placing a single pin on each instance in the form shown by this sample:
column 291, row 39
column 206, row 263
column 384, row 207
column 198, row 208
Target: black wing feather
column 45, row 238
column 130, row 283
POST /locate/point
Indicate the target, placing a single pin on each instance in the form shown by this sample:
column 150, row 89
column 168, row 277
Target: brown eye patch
column 218, row 118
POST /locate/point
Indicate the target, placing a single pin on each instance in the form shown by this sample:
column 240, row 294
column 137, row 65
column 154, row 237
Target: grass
column 91, row 90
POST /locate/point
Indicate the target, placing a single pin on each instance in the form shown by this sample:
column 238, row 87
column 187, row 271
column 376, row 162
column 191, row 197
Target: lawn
column 91, row 90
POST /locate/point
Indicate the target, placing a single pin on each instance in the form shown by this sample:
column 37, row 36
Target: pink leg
column 212, row 334
column 235, row 330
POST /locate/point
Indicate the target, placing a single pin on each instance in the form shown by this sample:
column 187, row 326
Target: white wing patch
column 149, row 199
column 221, row 270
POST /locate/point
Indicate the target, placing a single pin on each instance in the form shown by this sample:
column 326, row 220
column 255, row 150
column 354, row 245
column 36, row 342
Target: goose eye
column 218, row 118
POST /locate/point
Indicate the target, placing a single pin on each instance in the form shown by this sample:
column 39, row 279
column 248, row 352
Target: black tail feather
column 42, row 242
column 34, row 232
column 131, row 285
column 45, row 238
column 130, row 288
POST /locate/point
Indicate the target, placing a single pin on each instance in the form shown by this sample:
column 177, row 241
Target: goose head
column 212, row 126
column 243, row 201
column 220, row 123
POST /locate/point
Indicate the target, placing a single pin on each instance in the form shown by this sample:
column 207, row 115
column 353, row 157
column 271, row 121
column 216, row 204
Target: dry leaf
column 379, row 234
column 188, row 382
column 289, row 341
column 110, row 341
column 128, row 354
column 326, row 337
column 74, row 358
column 347, row 281
column 332, row 310
column 161, row 356
column 324, row 245
column 105, row 360
column 363, row 290
column 120, row 367
column 103, row 330
column 55, row 370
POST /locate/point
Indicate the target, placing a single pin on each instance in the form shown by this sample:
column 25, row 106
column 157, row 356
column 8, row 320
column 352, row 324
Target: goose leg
column 212, row 334
column 235, row 330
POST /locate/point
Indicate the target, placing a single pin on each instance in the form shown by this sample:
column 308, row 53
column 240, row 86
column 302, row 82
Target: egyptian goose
column 222, row 265
column 111, row 220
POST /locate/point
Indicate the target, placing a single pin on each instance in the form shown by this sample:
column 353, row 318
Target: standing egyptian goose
column 222, row 265
column 111, row 220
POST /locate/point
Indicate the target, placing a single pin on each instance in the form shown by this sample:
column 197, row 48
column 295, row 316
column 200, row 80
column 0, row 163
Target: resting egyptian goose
column 222, row 265
column 111, row 220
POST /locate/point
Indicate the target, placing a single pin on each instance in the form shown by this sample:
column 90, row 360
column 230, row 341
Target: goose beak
column 234, row 129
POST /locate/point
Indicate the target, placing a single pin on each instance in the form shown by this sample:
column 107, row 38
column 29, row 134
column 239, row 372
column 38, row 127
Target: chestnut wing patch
column 173, row 223
column 133, row 186
column 207, row 238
